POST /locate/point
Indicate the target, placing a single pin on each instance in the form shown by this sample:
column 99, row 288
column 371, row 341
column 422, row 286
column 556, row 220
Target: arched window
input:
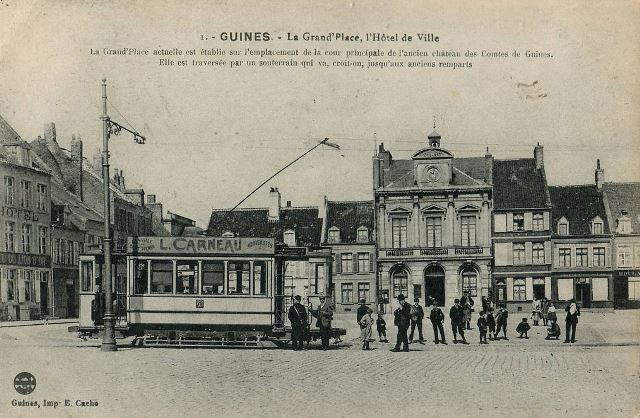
column 400, row 282
column 470, row 281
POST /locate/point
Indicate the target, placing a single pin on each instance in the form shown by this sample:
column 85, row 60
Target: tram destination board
column 197, row 245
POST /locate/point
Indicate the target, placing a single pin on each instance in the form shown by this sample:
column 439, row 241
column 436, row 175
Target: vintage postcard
column 333, row 208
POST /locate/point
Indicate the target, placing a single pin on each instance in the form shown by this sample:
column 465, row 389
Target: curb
column 33, row 324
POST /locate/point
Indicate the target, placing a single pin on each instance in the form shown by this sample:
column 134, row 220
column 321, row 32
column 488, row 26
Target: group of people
column 300, row 323
column 490, row 322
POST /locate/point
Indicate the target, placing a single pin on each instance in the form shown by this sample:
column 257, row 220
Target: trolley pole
column 109, row 337
column 109, row 127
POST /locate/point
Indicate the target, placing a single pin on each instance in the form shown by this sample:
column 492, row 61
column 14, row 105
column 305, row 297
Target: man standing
column 324, row 314
column 437, row 318
column 298, row 319
column 362, row 310
column 402, row 318
column 502, row 317
column 457, row 321
column 573, row 312
column 417, row 315
column 467, row 306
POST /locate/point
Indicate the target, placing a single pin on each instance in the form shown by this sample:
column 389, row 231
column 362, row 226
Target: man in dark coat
column 437, row 318
column 457, row 321
column 324, row 314
column 298, row 319
column 573, row 312
column 362, row 310
column 402, row 319
column 417, row 315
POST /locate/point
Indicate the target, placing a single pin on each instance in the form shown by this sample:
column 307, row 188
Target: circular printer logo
column 24, row 383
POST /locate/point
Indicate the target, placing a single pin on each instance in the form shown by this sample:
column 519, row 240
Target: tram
column 196, row 291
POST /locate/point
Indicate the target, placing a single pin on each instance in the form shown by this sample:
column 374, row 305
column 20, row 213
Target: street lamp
column 109, row 127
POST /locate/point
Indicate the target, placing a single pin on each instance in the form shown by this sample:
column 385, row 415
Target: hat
column 524, row 319
column 322, row 296
column 400, row 296
column 416, row 300
column 434, row 302
column 481, row 313
column 456, row 301
column 363, row 301
column 297, row 297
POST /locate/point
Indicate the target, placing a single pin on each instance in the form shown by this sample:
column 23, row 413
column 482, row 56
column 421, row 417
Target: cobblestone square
column 598, row 376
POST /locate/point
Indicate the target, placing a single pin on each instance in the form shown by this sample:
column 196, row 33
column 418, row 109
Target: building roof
column 8, row 135
column 466, row 172
column 623, row 197
column 518, row 184
column 579, row 205
column 255, row 223
column 348, row 217
column 80, row 212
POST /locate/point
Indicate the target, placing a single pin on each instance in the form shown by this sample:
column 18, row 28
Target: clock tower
column 432, row 165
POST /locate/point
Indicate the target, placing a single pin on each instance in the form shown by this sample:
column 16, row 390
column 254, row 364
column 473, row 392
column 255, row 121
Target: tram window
column 259, row 278
column 187, row 277
column 161, row 277
column 212, row 277
column 87, row 276
column 141, row 277
column 238, row 278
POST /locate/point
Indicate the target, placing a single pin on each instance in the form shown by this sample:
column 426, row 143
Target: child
column 482, row 327
column 535, row 316
column 553, row 331
column 365, row 324
column 381, row 326
column 523, row 328
column 491, row 323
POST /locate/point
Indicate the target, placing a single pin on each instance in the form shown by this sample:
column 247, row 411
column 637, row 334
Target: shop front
column 626, row 289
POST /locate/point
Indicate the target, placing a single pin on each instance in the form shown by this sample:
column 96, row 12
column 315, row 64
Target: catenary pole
column 108, row 339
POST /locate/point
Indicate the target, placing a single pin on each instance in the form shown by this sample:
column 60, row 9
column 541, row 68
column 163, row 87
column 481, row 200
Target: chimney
column 122, row 185
column 137, row 195
column 322, row 208
column 274, row 204
column 50, row 132
column 154, row 207
column 385, row 156
column 288, row 203
column 599, row 175
column 377, row 177
column 488, row 167
column 76, row 160
column 537, row 154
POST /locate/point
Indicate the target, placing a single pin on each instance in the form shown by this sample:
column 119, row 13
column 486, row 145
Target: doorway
column 434, row 284
column 583, row 294
column 71, row 300
column 44, row 298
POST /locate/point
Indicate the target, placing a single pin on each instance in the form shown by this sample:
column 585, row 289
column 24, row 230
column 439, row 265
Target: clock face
column 433, row 174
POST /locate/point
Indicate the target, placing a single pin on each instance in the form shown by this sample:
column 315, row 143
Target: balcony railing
column 434, row 252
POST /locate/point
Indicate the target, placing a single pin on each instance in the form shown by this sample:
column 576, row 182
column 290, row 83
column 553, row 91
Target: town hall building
column 433, row 219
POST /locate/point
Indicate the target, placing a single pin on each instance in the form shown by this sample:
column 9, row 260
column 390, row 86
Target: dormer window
column 290, row 238
column 563, row 226
column 333, row 235
column 228, row 234
column 363, row 234
column 624, row 225
column 597, row 226
column 518, row 222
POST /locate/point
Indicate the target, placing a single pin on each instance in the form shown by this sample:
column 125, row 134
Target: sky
column 215, row 134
